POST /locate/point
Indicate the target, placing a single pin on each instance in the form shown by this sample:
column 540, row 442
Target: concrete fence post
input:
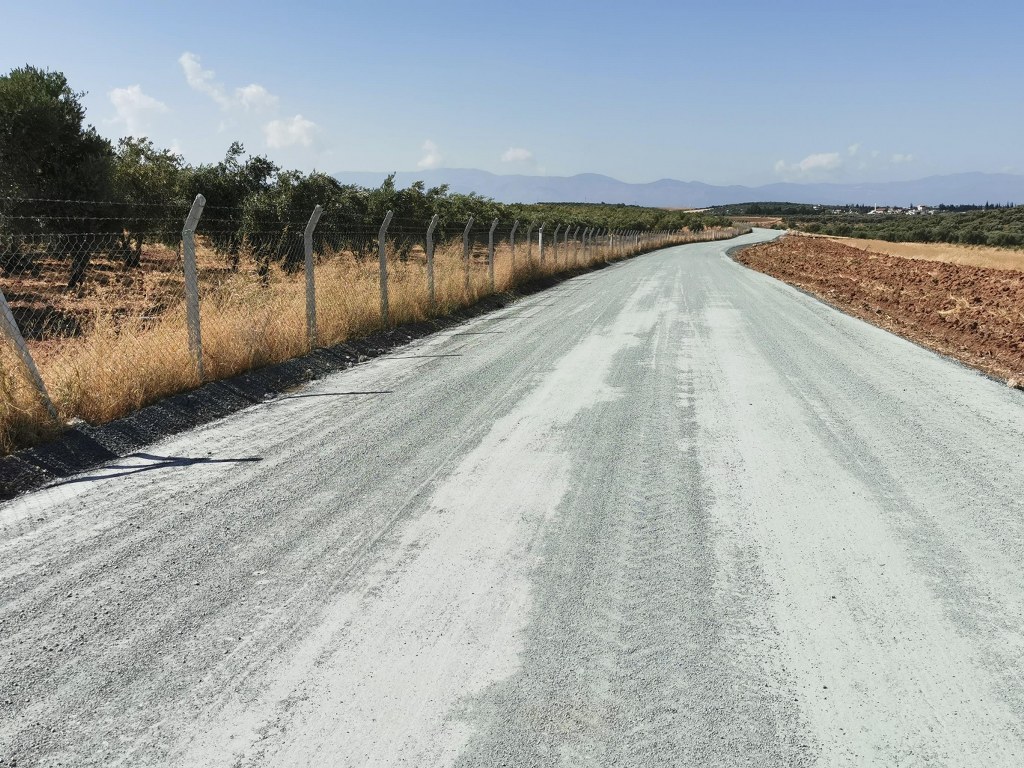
column 490, row 253
column 307, row 244
column 465, row 251
column 382, row 254
column 554, row 243
column 540, row 241
column 188, row 252
column 430, row 259
column 9, row 328
column 512, row 242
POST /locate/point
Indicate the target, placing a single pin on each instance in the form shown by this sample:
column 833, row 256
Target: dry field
column 968, row 255
column 756, row 221
column 972, row 313
column 121, row 343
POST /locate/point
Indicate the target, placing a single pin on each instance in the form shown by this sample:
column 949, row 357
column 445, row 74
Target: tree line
column 61, row 180
column 1001, row 226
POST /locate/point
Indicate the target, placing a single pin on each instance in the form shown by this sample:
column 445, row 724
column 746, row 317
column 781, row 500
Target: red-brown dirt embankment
column 971, row 313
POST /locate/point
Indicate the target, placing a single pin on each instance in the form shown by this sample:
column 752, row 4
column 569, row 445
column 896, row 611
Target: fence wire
column 97, row 290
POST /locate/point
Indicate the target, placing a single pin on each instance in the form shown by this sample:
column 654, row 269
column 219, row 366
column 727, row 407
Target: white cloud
column 432, row 157
column 202, row 79
column 822, row 161
column 252, row 97
column 133, row 108
column 818, row 162
column 899, row 158
column 255, row 97
column 287, row 133
column 516, row 155
column 853, row 149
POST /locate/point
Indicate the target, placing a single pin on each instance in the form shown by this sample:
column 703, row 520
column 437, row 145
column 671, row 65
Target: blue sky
column 723, row 92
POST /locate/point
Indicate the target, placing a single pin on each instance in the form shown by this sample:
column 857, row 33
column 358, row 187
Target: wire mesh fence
column 97, row 322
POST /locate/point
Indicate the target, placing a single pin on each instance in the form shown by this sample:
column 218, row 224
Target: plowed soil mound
column 971, row 313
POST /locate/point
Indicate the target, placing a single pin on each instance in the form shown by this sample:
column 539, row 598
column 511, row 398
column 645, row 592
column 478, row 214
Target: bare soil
column 975, row 314
column 969, row 255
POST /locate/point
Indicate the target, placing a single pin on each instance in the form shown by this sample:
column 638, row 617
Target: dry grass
column 757, row 221
column 23, row 419
column 984, row 256
column 125, row 358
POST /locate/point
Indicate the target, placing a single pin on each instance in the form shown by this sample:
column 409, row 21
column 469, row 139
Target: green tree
column 273, row 220
column 227, row 186
column 47, row 152
column 146, row 181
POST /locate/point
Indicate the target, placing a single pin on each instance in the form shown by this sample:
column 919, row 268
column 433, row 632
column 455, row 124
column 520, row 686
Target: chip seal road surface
column 673, row 512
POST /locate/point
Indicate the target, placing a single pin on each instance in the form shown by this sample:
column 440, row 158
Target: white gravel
column 669, row 513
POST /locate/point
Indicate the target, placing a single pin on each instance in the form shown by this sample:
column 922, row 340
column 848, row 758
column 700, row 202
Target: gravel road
column 673, row 512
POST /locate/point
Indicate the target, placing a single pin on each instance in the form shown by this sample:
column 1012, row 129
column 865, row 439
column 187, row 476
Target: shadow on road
column 415, row 357
column 337, row 394
column 155, row 462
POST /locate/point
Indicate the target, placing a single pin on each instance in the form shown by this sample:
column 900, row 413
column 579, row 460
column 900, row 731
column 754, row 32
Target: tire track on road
column 628, row 660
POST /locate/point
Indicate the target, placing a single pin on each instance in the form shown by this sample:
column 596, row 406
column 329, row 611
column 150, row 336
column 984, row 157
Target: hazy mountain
column 594, row 188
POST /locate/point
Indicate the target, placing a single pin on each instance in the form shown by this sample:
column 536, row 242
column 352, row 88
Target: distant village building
column 895, row 210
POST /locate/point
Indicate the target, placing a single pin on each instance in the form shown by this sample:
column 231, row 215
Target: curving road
column 669, row 513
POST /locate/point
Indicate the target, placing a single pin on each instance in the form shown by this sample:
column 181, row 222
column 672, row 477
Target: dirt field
column 969, row 255
column 756, row 221
column 975, row 314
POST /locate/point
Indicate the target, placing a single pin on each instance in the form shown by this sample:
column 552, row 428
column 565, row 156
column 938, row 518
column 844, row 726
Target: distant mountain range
column 960, row 188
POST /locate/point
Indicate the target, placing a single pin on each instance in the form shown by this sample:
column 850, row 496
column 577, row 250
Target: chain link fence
column 107, row 307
